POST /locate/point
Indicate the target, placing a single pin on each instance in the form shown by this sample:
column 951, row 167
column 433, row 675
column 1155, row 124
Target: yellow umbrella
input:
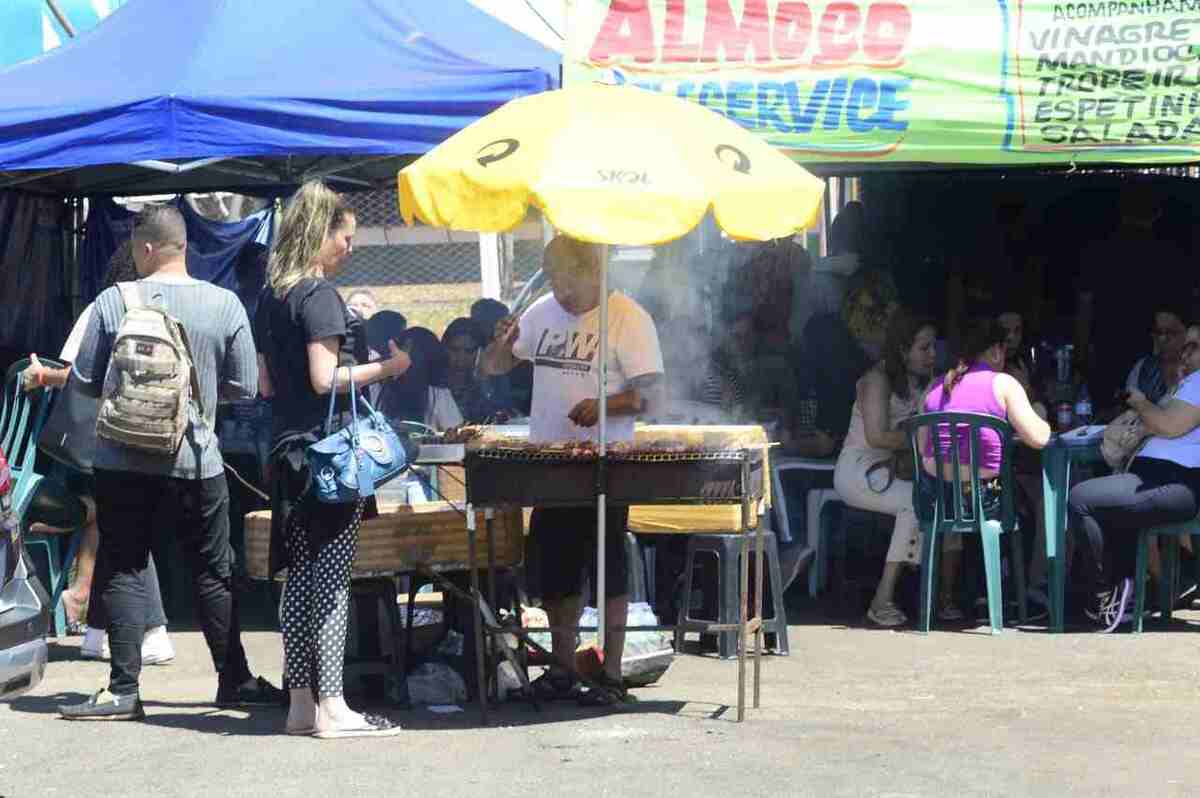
column 610, row 165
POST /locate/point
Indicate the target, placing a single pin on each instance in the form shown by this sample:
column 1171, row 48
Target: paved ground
column 852, row 712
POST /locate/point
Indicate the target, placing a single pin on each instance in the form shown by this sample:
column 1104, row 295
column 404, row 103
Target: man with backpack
column 157, row 352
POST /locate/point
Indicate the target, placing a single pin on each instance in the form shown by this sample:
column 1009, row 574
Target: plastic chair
column 965, row 513
column 23, row 416
column 1169, row 577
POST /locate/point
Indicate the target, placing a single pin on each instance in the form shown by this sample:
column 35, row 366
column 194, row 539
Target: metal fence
column 431, row 281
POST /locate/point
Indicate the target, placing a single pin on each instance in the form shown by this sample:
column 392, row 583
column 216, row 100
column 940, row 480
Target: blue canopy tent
column 254, row 96
column 172, row 96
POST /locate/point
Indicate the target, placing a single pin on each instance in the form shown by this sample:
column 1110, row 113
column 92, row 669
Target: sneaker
column 105, row 706
column 95, row 644
column 157, row 648
column 1113, row 606
column 256, row 692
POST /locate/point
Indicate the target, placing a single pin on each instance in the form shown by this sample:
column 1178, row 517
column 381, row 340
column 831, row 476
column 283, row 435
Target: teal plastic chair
column 21, row 422
column 964, row 513
column 1168, row 583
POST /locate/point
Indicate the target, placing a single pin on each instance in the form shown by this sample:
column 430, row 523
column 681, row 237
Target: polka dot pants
column 316, row 607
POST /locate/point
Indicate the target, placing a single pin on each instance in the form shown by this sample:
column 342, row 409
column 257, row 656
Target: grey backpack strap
column 130, row 296
column 195, row 378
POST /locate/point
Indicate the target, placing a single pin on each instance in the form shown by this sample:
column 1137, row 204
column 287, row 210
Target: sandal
column 887, row 615
column 605, row 691
column 555, row 684
column 373, row 726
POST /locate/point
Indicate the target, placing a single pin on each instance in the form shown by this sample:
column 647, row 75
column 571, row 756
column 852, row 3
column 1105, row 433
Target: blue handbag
column 349, row 464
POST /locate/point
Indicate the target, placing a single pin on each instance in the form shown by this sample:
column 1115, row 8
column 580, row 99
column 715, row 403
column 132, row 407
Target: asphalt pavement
column 852, row 712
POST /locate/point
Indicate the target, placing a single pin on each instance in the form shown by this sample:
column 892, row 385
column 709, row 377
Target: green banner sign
column 1018, row 82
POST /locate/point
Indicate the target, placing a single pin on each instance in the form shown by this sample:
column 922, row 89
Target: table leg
column 476, row 597
column 1056, row 484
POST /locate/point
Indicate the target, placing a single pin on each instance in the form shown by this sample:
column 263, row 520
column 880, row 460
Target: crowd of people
column 819, row 351
column 307, row 342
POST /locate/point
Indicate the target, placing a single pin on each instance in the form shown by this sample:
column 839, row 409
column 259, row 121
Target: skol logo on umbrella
column 623, row 177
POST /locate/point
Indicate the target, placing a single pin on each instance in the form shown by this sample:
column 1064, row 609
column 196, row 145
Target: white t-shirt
column 442, row 411
column 563, row 349
column 1184, row 450
column 70, row 349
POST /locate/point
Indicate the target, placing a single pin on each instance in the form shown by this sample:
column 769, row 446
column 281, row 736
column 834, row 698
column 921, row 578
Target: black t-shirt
column 834, row 360
column 283, row 328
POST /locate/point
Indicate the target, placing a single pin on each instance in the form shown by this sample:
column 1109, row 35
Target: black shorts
column 565, row 538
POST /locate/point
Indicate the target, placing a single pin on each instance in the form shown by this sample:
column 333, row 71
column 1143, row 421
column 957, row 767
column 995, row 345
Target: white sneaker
column 156, row 647
column 95, row 644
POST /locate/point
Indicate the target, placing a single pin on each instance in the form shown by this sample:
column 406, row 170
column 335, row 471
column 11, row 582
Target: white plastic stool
column 816, row 498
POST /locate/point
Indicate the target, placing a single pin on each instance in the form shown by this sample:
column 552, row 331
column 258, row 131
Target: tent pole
column 61, row 17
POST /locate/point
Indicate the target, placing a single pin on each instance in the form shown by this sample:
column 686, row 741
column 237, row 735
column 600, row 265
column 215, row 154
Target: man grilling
column 560, row 334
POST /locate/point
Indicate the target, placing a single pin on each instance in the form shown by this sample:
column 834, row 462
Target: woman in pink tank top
column 978, row 384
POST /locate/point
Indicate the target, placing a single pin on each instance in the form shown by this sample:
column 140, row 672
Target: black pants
column 565, row 542
column 127, row 505
column 1112, row 510
column 97, row 613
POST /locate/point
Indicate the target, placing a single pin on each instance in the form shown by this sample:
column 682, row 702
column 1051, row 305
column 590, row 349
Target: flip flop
column 373, row 726
column 305, row 732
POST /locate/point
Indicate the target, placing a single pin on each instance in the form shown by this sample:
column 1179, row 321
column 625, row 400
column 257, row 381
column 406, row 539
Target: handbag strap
column 333, row 398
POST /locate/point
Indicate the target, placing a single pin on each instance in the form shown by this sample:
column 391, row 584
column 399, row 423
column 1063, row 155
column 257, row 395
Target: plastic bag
column 647, row 655
column 436, row 683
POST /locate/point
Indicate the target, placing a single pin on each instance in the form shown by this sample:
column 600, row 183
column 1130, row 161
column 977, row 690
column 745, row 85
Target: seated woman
column 841, row 347
column 887, row 394
column 1162, row 486
column 1157, row 374
column 757, row 382
column 979, row 384
column 479, row 403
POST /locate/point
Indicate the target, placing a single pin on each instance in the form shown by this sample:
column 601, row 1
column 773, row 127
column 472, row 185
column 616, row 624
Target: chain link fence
column 430, row 276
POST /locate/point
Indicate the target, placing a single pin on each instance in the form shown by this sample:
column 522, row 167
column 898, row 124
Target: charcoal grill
column 500, row 476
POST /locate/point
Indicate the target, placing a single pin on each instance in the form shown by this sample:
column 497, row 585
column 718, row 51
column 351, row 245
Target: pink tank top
column 973, row 394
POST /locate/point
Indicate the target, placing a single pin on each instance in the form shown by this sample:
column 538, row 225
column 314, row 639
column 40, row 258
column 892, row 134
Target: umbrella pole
column 601, row 626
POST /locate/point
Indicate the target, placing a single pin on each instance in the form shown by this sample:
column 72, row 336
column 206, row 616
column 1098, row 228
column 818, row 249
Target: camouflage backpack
column 150, row 381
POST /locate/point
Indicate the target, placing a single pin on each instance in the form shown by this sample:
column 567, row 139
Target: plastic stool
column 870, row 524
column 375, row 653
column 818, row 572
column 727, row 549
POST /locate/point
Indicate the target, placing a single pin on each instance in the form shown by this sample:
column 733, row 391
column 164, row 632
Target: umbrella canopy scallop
column 610, row 165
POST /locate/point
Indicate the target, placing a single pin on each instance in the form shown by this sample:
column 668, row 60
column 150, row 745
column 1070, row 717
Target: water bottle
column 1083, row 406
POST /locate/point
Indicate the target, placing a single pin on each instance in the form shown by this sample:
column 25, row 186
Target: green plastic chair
column 966, row 516
column 1168, row 535
column 21, row 422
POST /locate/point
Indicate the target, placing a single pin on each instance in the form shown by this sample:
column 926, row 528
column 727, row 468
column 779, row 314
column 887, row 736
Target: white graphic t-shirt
column 563, row 349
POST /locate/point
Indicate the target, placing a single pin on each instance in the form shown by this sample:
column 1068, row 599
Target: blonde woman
column 305, row 333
